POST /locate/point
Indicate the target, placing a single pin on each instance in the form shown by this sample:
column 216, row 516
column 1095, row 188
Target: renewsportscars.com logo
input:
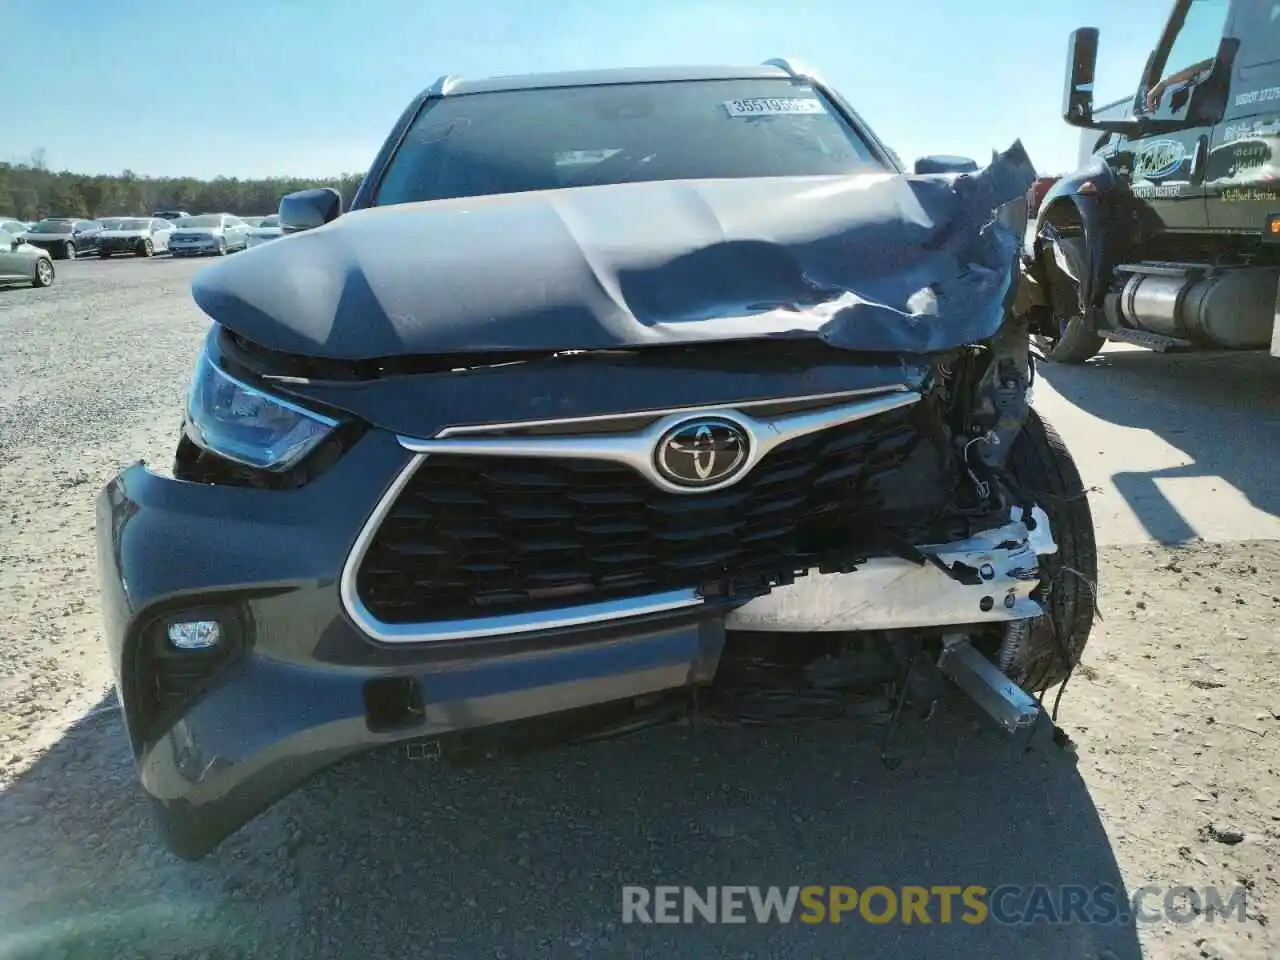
column 1006, row 905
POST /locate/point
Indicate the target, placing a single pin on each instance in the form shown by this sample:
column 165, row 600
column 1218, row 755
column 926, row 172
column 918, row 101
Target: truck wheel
column 1075, row 342
column 1047, row 474
column 1066, row 335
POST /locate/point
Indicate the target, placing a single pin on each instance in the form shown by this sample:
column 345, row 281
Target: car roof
column 450, row 85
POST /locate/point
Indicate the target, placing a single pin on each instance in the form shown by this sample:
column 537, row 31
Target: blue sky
column 310, row 87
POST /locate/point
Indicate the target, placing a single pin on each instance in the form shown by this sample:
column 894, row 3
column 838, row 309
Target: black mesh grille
column 474, row 536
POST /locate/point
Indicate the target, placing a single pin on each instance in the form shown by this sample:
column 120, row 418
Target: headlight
column 244, row 424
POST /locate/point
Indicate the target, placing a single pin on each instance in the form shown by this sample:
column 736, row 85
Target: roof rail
column 442, row 86
column 795, row 68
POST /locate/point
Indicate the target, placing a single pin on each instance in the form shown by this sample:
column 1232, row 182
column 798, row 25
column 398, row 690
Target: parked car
column 268, row 229
column 22, row 262
column 140, row 236
column 171, row 214
column 65, row 237
column 517, row 436
column 217, row 233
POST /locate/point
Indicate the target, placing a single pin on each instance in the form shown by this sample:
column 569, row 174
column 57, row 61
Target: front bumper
column 302, row 686
column 48, row 246
column 120, row 244
column 295, row 695
column 182, row 247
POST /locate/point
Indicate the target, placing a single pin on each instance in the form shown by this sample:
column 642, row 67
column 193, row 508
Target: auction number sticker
column 773, row 106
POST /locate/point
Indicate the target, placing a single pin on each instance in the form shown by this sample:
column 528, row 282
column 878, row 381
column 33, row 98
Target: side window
column 1192, row 48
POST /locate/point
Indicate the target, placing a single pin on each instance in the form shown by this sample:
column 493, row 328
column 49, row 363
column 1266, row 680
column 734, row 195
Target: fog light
column 194, row 634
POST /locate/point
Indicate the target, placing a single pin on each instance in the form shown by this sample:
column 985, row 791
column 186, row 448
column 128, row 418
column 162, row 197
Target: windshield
column 52, row 226
column 512, row 141
column 206, row 221
column 130, row 223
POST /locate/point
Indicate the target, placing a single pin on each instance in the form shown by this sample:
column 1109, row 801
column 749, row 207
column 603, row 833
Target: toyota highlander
column 599, row 373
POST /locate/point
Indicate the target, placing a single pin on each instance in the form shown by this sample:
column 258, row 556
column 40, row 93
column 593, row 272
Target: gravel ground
column 1172, row 780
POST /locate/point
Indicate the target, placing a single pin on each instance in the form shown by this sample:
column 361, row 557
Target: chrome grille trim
column 634, row 449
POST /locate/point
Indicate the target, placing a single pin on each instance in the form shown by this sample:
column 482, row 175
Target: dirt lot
column 1175, row 717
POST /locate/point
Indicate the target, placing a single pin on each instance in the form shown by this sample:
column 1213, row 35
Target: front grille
column 473, row 536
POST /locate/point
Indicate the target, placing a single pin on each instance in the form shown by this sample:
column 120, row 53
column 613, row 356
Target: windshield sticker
column 773, row 106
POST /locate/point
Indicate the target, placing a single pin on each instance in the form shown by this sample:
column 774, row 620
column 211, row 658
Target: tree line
column 29, row 191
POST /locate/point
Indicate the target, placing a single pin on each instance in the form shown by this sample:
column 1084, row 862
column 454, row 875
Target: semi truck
column 1168, row 234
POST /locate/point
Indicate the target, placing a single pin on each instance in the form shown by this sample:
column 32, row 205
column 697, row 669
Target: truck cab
column 1168, row 234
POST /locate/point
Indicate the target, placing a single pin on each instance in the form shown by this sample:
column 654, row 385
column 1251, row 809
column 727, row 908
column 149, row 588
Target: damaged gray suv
column 604, row 384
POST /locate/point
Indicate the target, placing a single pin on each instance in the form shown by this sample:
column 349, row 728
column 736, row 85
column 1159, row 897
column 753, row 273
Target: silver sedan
column 21, row 262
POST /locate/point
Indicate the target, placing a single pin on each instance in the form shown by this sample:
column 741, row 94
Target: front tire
column 1066, row 335
column 68, row 251
column 222, row 248
column 146, row 249
column 44, row 273
column 1047, row 474
column 104, row 254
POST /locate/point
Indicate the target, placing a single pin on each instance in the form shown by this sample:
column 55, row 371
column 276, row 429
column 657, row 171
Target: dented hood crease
column 875, row 262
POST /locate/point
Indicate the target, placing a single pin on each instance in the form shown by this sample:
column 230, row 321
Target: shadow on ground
column 388, row 856
column 1221, row 409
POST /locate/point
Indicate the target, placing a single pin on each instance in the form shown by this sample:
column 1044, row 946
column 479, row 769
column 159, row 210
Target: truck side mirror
column 1082, row 57
column 1205, row 106
column 309, row 208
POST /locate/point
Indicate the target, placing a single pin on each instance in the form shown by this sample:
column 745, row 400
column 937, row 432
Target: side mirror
column 942, row 163
column 308, row 209
column 1205, row 107
column 1082, row 58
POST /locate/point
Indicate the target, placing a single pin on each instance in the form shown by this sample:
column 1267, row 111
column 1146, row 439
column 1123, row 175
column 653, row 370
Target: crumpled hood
column 873, row 262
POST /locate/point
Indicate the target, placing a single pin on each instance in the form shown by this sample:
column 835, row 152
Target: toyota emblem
column 702, row 453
